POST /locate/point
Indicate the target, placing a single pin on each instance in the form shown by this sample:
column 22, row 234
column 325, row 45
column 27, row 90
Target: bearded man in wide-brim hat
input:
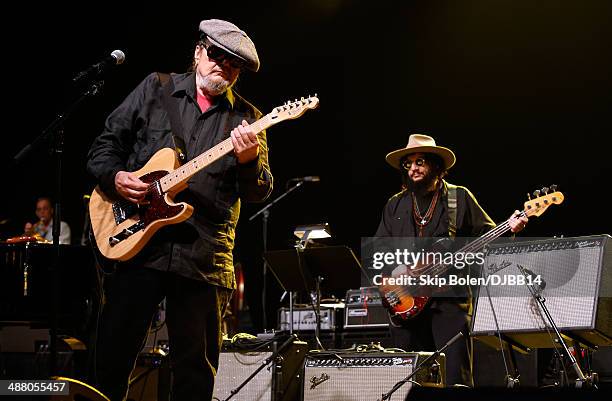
column 430, row 207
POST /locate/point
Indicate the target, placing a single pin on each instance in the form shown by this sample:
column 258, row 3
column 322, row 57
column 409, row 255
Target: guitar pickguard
column 153, row 208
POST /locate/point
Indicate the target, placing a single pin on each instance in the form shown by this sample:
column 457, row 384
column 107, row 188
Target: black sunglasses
column 219, row 55
column 407, row 164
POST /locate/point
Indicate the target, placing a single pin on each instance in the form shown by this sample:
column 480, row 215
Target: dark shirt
column 397, row 219
column 201, row 247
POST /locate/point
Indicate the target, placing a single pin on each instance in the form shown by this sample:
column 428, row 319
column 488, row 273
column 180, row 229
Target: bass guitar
column 400, row 300
column 122, row 228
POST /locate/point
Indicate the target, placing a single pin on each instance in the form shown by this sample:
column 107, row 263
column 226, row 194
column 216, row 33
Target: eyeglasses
column 407, row 164
column 219, row 55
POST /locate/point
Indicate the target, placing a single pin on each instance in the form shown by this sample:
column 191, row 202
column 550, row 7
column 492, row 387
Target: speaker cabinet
column 279, row 381
column 576, row 282
column 366, row 376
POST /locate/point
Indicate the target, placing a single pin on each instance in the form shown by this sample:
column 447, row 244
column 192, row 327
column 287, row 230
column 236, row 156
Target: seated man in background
column 44, row 226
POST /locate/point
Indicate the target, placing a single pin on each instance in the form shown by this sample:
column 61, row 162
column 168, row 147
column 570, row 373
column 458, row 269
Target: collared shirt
column 47, row 231
column 397, row 219
column 201, row 247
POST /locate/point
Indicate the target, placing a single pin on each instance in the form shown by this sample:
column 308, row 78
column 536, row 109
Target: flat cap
column 231, row 39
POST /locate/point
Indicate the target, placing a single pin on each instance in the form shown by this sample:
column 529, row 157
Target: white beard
column 212, row 85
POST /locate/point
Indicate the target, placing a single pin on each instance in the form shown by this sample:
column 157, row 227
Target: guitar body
column 401, row 306
column 404, row 303
column 122, row 228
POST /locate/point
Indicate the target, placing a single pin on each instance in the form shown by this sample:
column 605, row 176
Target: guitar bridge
column 126, row 233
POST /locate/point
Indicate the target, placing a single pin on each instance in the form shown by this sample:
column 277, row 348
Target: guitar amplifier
column 575, row 277
column 364, row 309
column 304, row 318
column 279, row 381
column 366, row 376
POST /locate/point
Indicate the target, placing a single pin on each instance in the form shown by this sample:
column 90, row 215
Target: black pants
column 194, row 312
column 431, row 329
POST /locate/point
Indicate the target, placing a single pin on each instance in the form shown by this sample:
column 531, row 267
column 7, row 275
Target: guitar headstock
column 539, row 203
column 294, row 109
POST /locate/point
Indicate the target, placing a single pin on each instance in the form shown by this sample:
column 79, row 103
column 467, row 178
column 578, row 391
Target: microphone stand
column 265, row 211
column 420, row 366
column 55, row 131
column 536, row 293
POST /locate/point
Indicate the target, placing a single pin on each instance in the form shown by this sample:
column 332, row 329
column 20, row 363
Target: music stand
column 305, row 270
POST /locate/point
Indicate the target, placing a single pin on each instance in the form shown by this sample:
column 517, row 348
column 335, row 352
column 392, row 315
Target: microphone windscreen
column 119, row 56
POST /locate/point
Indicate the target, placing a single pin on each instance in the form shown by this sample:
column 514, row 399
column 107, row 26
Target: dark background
column 520, row 90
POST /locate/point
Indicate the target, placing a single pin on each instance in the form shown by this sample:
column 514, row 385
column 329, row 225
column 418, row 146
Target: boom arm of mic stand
column 421, row 364
column 269, row 205
column 56, row 124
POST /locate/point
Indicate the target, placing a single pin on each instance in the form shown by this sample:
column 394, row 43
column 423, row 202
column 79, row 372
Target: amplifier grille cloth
column 234, row 368
column 572, row 286
column 356, row 383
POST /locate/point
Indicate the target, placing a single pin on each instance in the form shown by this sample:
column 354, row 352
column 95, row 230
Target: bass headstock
column 542, row 200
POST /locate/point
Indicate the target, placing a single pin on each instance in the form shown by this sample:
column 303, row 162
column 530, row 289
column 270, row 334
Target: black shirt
column 397, row 219
column 201, row 247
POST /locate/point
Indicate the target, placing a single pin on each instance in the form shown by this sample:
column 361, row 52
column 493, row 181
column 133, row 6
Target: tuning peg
column 536, row 193
column 528, row 196
column 553, row 188
column 545, row 190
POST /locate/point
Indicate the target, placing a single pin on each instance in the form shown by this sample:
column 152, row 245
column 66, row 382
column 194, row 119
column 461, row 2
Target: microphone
column 537, row 282
column 308, row 178
column 115, row 58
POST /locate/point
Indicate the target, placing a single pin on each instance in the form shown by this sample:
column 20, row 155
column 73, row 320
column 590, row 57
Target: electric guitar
column 400, row 300
column 122, row 228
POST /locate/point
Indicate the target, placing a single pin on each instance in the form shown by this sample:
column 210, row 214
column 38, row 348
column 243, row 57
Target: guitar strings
column 258, row 126
column 477, row 244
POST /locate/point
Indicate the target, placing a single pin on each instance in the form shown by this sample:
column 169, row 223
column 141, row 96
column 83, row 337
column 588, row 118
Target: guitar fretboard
column 184, row 172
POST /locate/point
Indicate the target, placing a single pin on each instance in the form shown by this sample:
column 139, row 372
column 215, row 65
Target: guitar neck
column 478, row 244
column 187, row 170
column 487, row 238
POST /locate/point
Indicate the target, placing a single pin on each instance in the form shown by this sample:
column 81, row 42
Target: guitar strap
column 452, row 209
column 171, row 107
column 468, row 306
column 451, row 193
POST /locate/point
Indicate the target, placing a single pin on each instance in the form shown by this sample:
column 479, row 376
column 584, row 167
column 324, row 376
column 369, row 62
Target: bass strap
column 452, row 209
